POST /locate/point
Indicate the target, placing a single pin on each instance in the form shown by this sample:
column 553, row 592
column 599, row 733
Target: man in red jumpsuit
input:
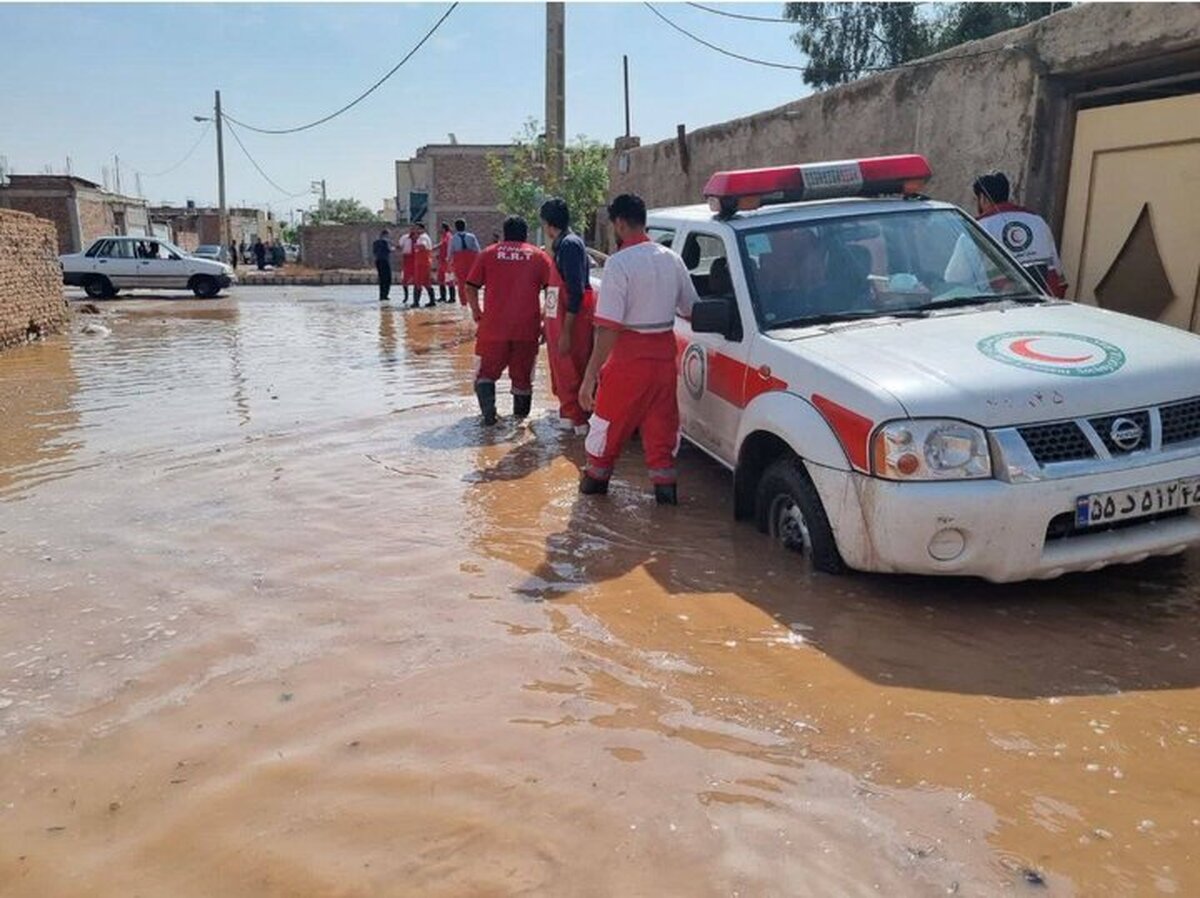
column 570, row 307
column 444, row 281
column 417, row 251
column 512, row 274
column 464, row 249
column 632, row 369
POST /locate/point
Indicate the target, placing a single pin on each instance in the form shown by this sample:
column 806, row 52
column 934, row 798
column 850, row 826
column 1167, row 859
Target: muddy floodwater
column 278, row 617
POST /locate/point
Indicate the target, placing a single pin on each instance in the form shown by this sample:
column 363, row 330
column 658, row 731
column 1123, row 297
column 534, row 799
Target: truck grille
column 1181, row 422
column 1080, row 439
column 1061, row 441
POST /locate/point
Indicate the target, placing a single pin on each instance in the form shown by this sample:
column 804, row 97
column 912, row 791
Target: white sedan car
column 115, row 263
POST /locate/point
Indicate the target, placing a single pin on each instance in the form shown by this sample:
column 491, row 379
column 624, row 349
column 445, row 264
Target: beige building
column 81, row 210
column 443, row 182
column 1094, row 114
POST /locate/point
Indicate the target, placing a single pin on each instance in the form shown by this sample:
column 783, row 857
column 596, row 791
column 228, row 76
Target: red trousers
column 518, row 356
column 566, row 371
column 636, row 393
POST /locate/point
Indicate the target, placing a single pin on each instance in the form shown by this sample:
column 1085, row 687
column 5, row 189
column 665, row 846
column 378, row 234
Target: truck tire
column 98, row 287
column 205, row 287
column 789, row 510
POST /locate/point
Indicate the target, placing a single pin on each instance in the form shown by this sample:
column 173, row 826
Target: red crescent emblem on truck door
column 1022, row 348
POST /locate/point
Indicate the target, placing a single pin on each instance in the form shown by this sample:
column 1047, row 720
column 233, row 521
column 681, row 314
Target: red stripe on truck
column 852, row 429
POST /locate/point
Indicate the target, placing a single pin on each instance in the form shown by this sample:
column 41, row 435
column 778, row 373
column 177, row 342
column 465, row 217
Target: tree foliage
column 844, row 41
column 529, row 175
column 342, row 211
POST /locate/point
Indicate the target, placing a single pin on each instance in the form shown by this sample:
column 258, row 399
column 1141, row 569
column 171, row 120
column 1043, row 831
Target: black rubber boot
column 665, row 494
column 590, row 486
column 441, row 293
column 453, row 298
column 485, row 392
column 522, row 406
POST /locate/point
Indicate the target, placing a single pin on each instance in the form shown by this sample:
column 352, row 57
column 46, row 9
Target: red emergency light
column 729, row 192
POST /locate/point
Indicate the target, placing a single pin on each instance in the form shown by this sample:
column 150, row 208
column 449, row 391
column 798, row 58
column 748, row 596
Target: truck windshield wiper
column 979, row 300
column 834, row 317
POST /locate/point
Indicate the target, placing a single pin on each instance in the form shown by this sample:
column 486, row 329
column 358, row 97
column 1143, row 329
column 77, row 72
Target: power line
column 186, row 157
column 258, row 167
column 370, row 90
column 773, row 19
column 934, row 60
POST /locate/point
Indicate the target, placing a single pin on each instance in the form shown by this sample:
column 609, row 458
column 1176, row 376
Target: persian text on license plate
column 1137, row 502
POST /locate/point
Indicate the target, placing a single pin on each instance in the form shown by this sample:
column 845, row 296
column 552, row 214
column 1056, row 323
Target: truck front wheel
column 789, row 510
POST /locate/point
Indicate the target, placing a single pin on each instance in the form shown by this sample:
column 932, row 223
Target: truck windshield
column 872, row 265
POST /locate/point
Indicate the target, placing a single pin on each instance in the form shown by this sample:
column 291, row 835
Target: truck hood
column 1005, row 365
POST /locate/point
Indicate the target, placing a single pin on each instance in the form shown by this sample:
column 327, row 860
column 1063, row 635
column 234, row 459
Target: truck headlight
column 931, row 449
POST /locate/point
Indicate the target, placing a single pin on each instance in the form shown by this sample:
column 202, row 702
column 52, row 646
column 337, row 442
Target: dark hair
column 445, row 227
column 556, row 213
column 993, row 186
column 383, row 232
column 515, row 229
column 460, row 224
column 629, row 207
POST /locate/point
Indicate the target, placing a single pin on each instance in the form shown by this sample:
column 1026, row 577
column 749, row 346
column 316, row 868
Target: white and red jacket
column 644, row 286
column 1028, row 237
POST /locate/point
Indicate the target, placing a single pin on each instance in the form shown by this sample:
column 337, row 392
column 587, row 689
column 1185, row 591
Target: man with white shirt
column 1023, row 233
column 632, row 369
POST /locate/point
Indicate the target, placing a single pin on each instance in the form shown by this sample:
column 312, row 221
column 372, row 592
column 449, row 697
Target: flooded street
column 278, row 617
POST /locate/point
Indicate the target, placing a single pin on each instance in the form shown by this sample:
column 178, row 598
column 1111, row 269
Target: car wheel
column 789, row 510
column 205, row 287
column 98, row 287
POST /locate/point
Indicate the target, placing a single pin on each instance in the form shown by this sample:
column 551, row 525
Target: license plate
column 1137, row 502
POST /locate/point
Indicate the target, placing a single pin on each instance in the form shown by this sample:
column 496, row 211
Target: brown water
column 277, row 617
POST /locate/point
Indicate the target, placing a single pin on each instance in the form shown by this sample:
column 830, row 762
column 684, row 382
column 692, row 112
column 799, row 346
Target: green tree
column 844, row 41
column 529, row 175
column 342, row 211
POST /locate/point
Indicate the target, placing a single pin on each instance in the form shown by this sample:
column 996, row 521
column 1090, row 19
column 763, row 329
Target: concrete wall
column 1005, row 102
column 459, row 185
column 31, row 295
column 341, row 246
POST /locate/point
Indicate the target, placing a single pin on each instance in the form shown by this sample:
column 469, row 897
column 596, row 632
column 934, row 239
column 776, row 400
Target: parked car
column 893, row 392
column 292, row 252
column 112, row 264
column 213, row 251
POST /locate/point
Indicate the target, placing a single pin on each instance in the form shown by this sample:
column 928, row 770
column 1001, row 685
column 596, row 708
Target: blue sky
column 126, row 80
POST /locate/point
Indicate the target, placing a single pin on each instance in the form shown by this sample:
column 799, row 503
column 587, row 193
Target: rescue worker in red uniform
column 1023, row 233
column 512, row 274
column 464, row 249
column 444, row 281
column 632, row 371
column 570, row 308
column 417, row 251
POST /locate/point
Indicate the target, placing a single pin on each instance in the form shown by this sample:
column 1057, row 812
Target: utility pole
column 625, row 63
column 556, row 94
column 117, row 164
column 223, row 213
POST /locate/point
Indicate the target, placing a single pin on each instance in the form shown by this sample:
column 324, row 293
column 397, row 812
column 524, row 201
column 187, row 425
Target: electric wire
column 370, row 90
column 258, row 167
column 186, row 157
column 932, row 60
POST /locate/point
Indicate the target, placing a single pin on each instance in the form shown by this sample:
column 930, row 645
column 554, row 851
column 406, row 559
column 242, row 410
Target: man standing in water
column 464, row 249
column 513, row 274
column 645, row 286
column 570, row 305
column 382, row 248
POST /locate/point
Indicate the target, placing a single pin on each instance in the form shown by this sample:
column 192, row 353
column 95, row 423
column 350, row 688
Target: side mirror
column 716, row 316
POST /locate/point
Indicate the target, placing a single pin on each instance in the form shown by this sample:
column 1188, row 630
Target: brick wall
column 56, row 209
column 95, row 220
column 462, row 179
column 31, row 296
column 340, row 246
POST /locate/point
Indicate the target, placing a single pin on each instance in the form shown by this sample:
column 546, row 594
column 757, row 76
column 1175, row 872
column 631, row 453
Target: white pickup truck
column 894, row 393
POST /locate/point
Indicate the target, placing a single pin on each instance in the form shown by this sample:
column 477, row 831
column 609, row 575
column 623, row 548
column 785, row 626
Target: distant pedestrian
column 233, row 254
column 1023, row 233
column 512, row 275
column 417, row 250
column 382, row 248
column 242, row 251
column 443, row 265
column 260, row 254
column 464, row 249
column 278, row 254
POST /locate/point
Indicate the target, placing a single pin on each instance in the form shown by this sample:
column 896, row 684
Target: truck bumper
column 995, row 530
